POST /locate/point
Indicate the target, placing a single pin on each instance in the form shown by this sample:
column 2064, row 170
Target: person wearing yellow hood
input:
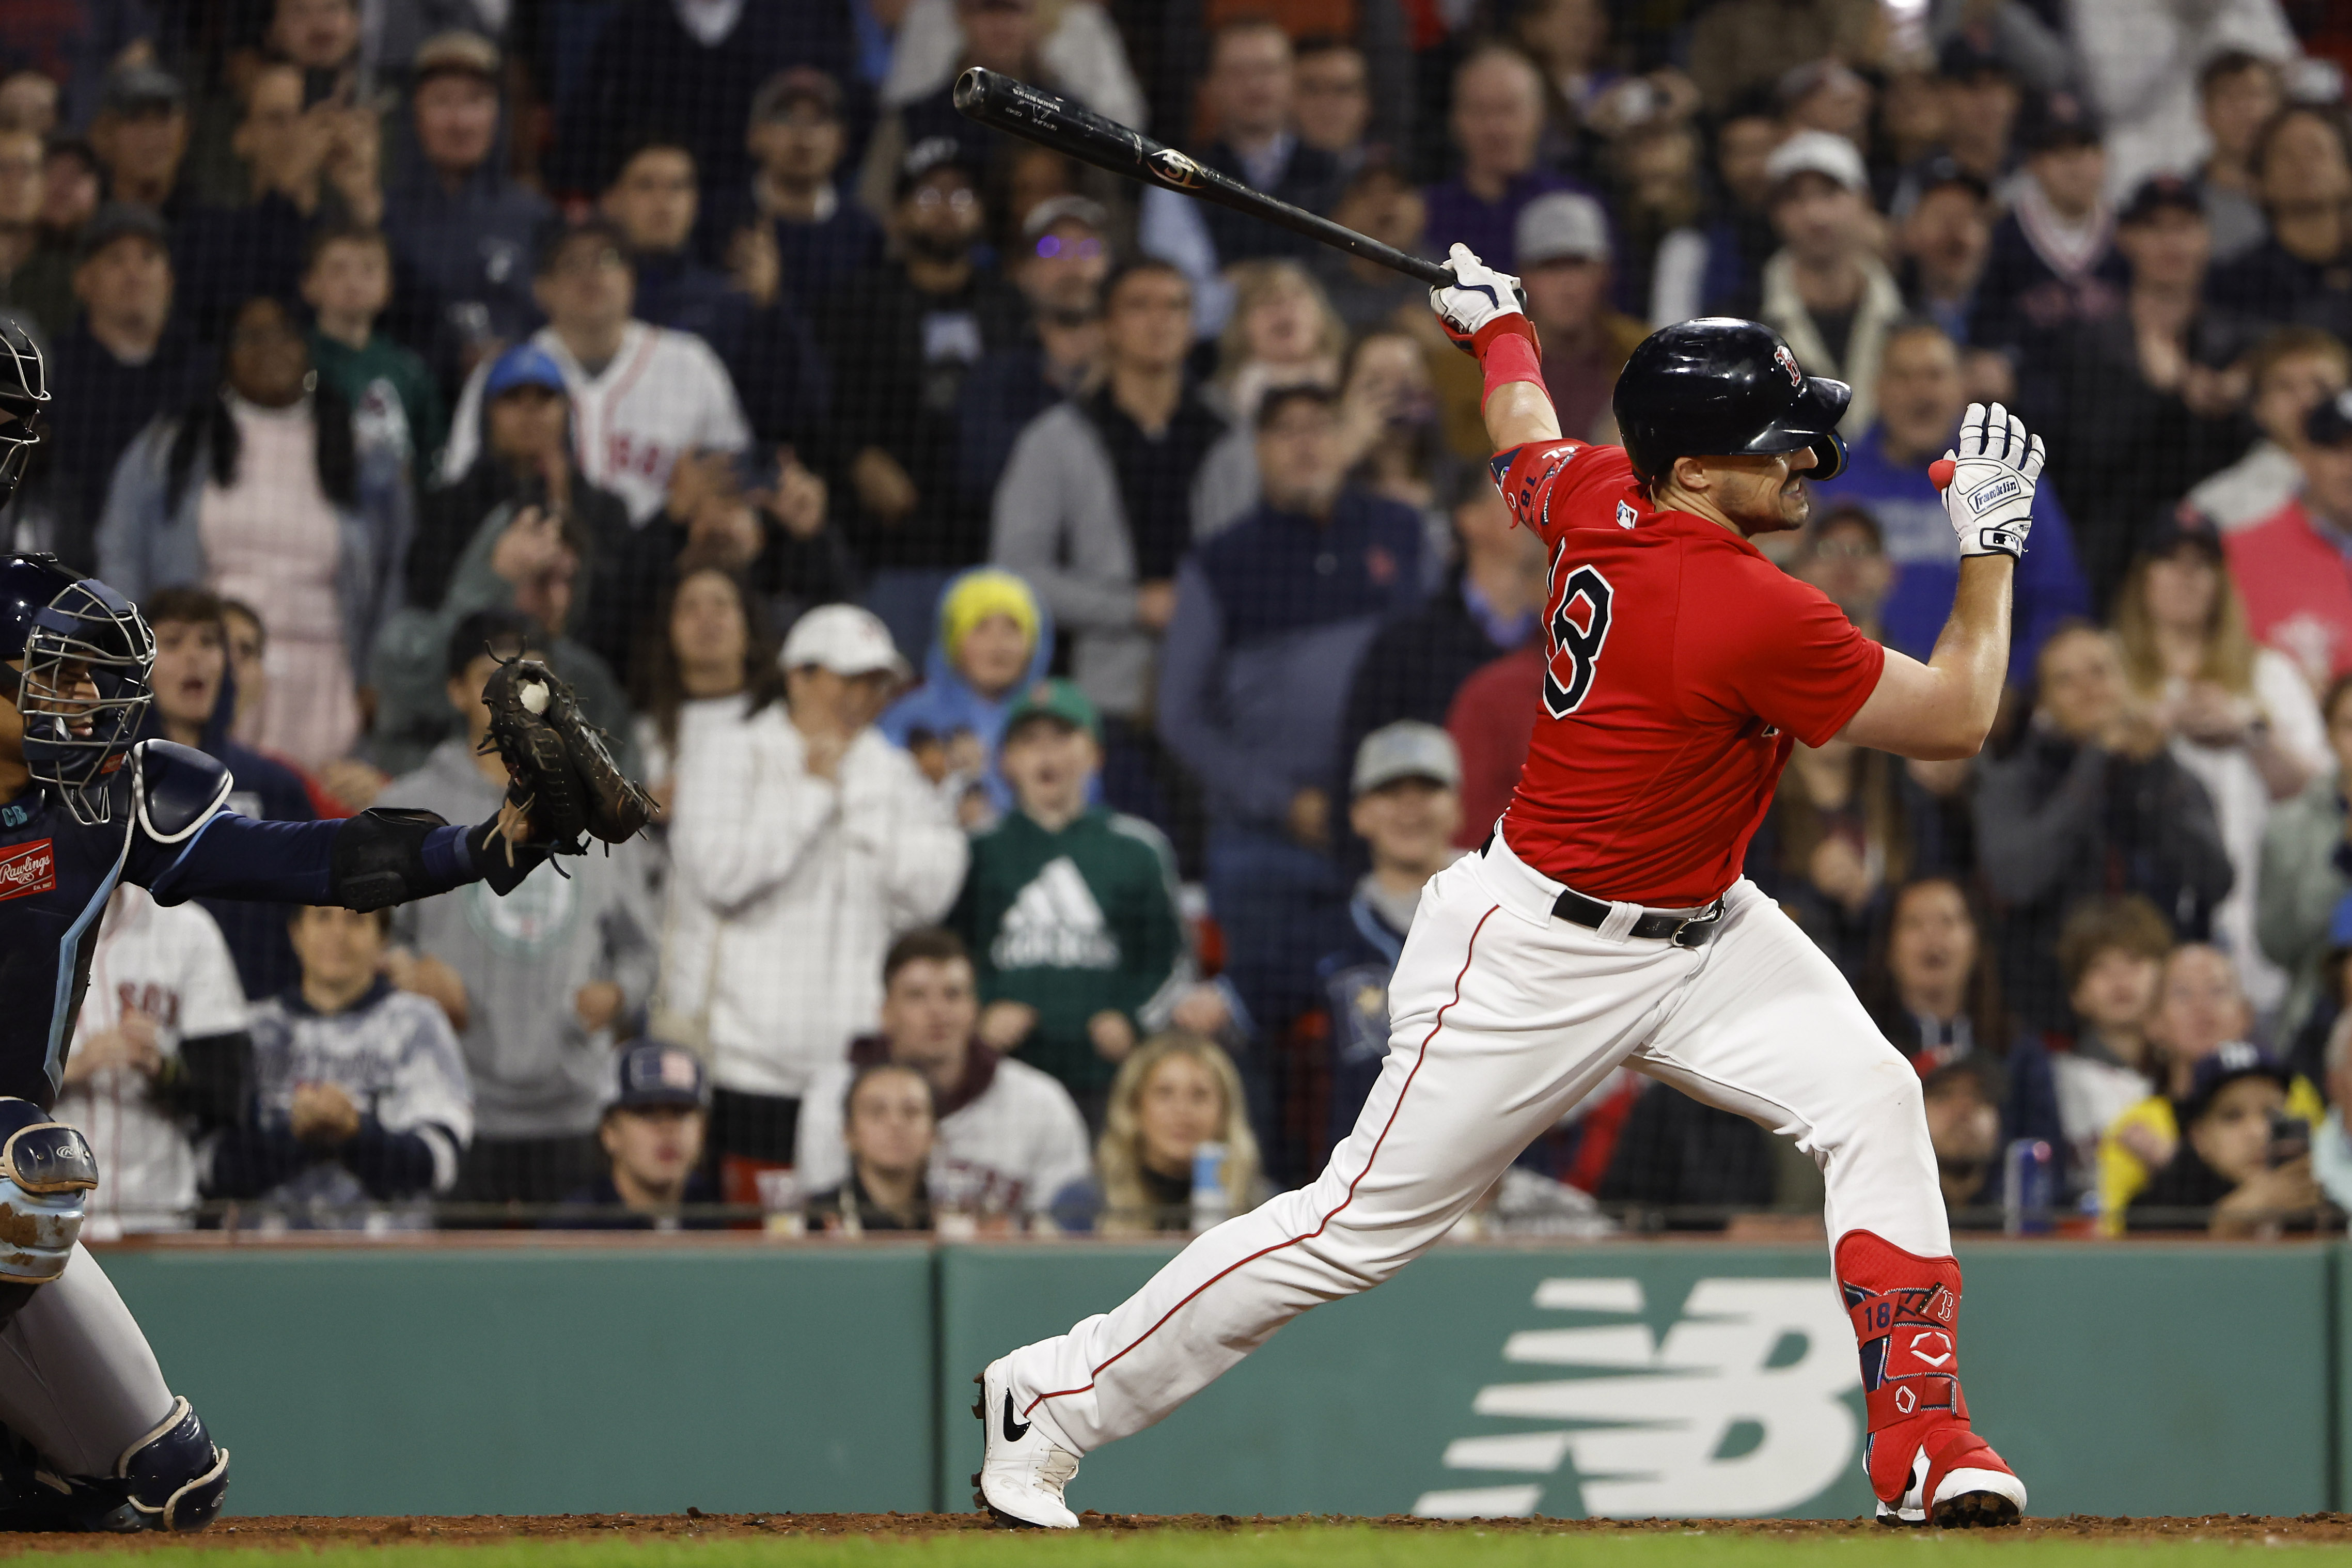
column 995, row 640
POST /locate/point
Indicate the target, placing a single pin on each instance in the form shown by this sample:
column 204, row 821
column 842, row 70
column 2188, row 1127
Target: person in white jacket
column 801, row 843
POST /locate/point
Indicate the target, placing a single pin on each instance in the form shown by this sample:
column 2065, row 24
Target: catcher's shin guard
column 1924, row 1464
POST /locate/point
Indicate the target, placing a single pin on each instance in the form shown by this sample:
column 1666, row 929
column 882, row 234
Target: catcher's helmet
column 1717, row 387
column 24, row 392
column 83, row 687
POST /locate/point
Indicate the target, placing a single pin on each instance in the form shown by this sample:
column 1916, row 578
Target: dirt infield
column 483, row 1529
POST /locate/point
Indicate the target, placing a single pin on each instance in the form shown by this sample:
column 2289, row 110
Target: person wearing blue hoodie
column 1920, row 399
column 194, row 702
column 995, row 641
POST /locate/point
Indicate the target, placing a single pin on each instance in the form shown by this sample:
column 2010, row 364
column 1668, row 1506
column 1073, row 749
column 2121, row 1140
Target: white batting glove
column 1478, row 298
column 1988, row 482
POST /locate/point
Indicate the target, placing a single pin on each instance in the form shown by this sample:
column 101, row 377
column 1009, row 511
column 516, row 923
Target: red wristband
column 1509, row 356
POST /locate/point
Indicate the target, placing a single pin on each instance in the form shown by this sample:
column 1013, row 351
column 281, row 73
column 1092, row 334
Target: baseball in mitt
column 561, row 770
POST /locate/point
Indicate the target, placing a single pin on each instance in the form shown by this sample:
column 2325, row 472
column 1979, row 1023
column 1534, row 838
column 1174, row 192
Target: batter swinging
column 1606, row 922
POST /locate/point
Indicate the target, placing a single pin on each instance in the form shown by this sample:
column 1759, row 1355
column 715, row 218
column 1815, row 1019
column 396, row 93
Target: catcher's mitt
column 562, row 770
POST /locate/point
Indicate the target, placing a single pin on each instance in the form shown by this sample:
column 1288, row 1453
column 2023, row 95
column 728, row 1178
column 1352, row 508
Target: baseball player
column 1605, row 922
column 94, row 1439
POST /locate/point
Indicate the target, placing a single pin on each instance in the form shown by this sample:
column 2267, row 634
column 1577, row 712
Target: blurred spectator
column 2110, row 953
column 360, row 1096
column 1332, row 98
column 2054, row 260
column 394, row 398
column 1943, row 242
column 1564, row 268
column 1738, row 236
column 652, row 1139
column 1837, row 835
column 1982, row 93
column 1742, row 44
column 2237, row 94
column 2139, row 60
column 1660, row 205
column 126, row 360
column 2303, row 176
column 1283, row 332
column 1069, row 910
column 457, row 222
column 546, row 976
column 711, row 60
column 2290, row 371
column 1380, row 202
column 995, row 642
column 643, row 396
column 1008, row 1140
column 710, row 661
column 140, row 135
column 1100, row 500
column 2331, row 1146
column 801, row 844
column 1498, row 117
column 2242, row 1166
column 1176, row 1094
column 1272, row 617
column 1844, row 555
column 887, row 1129
column 160, row 1058
column 59, row 56
column 1404, row 802
column 2090, row 792
column 2142, row 395
column 1393, row 425
column 1249, row 94
column 1487, row 605
column 194, row 705
column 2291, row 567
column 1060, row 268
column 902, row 338
column 2241, row 717
column 1962, row 1099
column 261, row 492
column 28, row 100
column 2307, row 871
column 1825, row 290
column 1825, row 95
column 1911, row 131
column 1568, row 41
column 797, row 139
column 529, row 566
column 1931, row 987
column 36, row 281
column 525, row 446
column 1921, row 398
column 70, row 190
column 1492, row 721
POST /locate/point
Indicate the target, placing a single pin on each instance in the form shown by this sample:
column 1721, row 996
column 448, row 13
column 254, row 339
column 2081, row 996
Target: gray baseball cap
column 1407, row 749
column 1562, row 224
column 1819, row 152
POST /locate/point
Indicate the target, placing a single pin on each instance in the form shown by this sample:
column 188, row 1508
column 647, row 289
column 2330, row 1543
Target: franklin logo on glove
column 1988, row 479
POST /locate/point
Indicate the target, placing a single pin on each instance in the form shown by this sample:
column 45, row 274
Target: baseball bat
column 1002, row 103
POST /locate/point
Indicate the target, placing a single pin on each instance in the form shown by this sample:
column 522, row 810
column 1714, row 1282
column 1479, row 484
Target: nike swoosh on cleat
column 1013, row 1430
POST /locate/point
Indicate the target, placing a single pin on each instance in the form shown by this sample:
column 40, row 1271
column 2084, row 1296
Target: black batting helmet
column 24, row 394
column 1718, row 386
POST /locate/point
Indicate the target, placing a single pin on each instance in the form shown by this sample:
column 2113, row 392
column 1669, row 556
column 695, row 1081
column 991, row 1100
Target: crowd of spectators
column 1065, row 626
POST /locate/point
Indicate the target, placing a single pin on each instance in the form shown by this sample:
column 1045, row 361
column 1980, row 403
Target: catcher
column 93, row 1439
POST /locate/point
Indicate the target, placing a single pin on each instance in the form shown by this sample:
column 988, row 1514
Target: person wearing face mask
column 260, row 494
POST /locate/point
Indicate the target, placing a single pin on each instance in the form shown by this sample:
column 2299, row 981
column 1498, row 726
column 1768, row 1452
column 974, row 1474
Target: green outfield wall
column 1624, row 1379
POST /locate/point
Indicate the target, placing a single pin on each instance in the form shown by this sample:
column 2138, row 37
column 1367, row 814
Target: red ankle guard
column 1905, row 1311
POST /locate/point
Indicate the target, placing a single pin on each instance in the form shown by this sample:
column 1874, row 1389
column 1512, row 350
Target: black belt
column 1652, row 925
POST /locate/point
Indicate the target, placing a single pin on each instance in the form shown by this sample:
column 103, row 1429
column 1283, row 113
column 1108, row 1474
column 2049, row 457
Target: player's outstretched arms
column 1481, row 311
column 1942, row 710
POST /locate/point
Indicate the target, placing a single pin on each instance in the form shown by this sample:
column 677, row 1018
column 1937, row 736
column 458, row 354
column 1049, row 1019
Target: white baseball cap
column 1561, row 224
column 1408, row 749
column 1820, row 152
column 844, row 639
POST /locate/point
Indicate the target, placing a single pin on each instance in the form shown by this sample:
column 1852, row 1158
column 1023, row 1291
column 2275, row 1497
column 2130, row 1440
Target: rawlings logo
column 1170, row 167
column 26, row 869
column 1984, row 499
column 1787, row 364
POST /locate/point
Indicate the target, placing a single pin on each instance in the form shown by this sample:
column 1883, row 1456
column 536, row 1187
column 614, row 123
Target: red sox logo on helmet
column 1787, row 364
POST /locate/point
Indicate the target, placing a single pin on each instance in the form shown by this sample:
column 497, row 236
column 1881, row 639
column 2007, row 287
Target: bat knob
column 971, row 89
column 1939, row 472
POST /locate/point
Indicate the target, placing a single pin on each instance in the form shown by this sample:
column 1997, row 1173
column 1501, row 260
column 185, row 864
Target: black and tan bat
column 1002, row 103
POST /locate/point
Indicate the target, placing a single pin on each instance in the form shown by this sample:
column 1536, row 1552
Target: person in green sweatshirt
column 1069, row 910
column 347, row 283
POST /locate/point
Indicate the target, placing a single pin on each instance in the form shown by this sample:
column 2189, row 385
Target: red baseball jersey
column 1680, row 667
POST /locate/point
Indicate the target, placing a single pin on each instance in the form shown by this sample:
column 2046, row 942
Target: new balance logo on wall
column 1054, row 923
column 1741, row 1408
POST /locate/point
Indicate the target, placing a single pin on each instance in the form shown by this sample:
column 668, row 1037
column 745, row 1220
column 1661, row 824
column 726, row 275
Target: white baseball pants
column 1502, row 1017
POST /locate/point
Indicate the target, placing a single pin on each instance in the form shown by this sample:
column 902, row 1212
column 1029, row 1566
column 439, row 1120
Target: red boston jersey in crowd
column 1680, row 665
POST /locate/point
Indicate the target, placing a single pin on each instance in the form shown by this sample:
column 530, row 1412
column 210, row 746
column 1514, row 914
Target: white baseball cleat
column 1022, row 1471
column 1978, row 1491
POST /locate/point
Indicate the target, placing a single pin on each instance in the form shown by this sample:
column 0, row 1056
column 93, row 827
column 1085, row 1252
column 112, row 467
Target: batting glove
column 1479, row 303
column 1988, row 482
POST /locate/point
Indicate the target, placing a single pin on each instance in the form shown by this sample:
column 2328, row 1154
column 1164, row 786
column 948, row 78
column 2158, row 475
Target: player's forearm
column 1970, row 660
column 1519, row 412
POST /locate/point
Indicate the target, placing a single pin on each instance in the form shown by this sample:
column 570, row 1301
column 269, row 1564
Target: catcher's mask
column 24, row 397
column 80, row 682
